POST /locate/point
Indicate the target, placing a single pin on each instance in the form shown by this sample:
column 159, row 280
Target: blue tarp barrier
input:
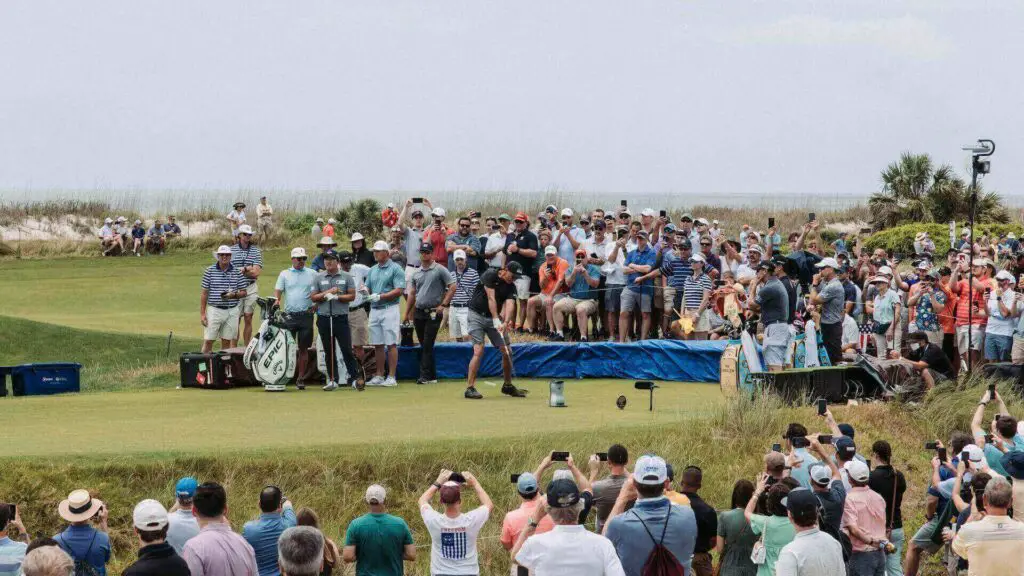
column 695, row 361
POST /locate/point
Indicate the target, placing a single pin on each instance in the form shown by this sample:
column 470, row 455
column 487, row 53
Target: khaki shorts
column 357, row 323
column 574, row 305
column 1017, row 351
column 670, row 297
column 221, row 324
column 249, row 302
column 659, row 297
column 977, row 338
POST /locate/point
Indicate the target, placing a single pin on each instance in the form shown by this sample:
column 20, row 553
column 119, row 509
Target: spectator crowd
column 821, row 506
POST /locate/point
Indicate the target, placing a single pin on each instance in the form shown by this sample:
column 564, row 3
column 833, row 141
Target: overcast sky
column 601, row 95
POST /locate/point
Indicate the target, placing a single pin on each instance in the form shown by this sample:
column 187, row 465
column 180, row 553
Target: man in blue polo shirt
column 295, row 287
column 638, row 292
column 384, row 286
column 275, row 517
column 223, row 287
column 248, row 259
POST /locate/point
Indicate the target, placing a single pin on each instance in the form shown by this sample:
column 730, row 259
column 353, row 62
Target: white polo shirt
column 569, row 551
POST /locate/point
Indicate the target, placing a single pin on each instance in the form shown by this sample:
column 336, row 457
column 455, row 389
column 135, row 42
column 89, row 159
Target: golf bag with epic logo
column 271, row 353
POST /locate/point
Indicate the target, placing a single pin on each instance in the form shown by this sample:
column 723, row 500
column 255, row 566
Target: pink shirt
column 217, row 551
column 515, row 521
column 864, row 509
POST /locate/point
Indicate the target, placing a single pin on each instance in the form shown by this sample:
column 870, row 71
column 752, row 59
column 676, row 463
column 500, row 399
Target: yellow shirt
column 677, row 498
column 992, row 545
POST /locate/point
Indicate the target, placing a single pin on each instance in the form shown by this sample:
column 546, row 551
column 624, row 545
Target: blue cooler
column 42, row 379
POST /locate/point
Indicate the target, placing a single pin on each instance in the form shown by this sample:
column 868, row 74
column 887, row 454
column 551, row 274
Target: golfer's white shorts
column 249, row 302
column 410, row 271
column 776, row 343
column 458, row 322
column 384, row 326
column 522, row 288
column 221, row 324
column 977, row 338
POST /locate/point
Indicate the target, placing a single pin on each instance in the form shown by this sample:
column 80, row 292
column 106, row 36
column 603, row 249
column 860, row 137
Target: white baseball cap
column 245, row 229
column 701, row 221
column 299, row 252
column 438, row 212
column 647, row 212
column 320, row 220
column 828, row 263
column 885, row 270
column 566, row 211
column 697, row 257
column 380, row 245
column 138, row 222
column 121, row 219
column 974, row 453
column 1004, row 275
column 714, row 221
column 459, row 255
column 757, row 248
column 550, row 250
column 149, row 516
column 223, row 249
column 332, row 221
column 857, row 470
column 108, row 221
column 326, row 241
column 650, row 470
column 356, row 236
column 375, row 494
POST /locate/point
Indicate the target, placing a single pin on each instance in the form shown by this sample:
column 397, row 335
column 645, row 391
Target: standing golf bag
column 271, row 353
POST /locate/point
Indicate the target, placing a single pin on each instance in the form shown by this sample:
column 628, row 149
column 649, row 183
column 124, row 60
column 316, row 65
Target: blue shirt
column 580, row 290
column 138, row 232
column 297, row 286
column 385, row 278
column 802, row 474
column 632, row 544
column 87, row 544
column 262, row 535
column 565, row 250
column 218, row 281
column 172, row 228
column 468, row 240
column 676, row 269
column 12, row 554
column 244, row 257
column 645, row 257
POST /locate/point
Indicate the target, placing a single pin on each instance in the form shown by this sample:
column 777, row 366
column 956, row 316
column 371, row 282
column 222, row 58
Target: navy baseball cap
column 515, row 268
column 563, row 493
column 800, row 501
column 345, row 256
column 847, row 430
column 1013, row 463
column 330, row 255
column 186, row 487
column 845, row 447
column 426, row 247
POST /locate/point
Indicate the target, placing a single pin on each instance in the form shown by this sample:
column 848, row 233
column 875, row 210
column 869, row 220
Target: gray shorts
column 776, row 342
column 631, row 299
column 923, row 537
column 613, row 297
column 481, row 326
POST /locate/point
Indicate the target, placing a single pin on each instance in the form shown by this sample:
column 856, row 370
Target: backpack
column 661, row 561
column 82, row 566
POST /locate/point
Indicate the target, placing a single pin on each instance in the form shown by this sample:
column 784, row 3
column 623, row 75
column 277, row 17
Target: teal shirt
column 380, row 541
column 884, row 307
column 802, row 473
column 580, row 290
column 993, row 457
column 297, row 286
column 385, row 278
column 778, row 531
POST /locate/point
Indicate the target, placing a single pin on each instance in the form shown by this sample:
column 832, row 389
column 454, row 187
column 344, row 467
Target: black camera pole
column 978, row 166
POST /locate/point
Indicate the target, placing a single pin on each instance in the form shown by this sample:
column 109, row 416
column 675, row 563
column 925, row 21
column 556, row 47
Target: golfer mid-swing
column 493, row 300
column 334, row 289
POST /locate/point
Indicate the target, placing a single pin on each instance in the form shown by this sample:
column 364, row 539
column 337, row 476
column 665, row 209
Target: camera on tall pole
column 982, row 149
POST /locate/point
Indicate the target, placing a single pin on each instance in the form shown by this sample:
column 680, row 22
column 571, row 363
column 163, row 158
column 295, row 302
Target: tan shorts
column 573, row 305
column 670, row 297
column 358, row 325
column 221, row 324
column 1017, row 351
column 659, row 297
column 977, row 338
column 249, row 302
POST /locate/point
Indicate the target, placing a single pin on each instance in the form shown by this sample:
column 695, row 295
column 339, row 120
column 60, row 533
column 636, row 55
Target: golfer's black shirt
column 502, row 292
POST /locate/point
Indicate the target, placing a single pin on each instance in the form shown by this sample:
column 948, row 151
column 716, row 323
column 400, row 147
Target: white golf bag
column 271, row 353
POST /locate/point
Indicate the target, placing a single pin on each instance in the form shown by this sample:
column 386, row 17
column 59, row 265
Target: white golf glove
column 374, row 298
column 497, row 324
column 330, row 297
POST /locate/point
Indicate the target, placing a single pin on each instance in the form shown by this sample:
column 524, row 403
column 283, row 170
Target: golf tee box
column 41, row 379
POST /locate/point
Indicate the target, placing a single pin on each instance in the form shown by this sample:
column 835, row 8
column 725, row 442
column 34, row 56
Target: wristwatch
column 532, row 523
column 436, row 485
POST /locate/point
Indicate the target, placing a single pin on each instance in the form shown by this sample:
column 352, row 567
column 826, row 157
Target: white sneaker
column 376, row 381
column 390, row 382
column 331, row 385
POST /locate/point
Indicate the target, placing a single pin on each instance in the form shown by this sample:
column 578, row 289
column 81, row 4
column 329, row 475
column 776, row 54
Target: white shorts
column 384, row 326
column 522, row 288
column 410, row 271
column 776, row 343
column 458, row 322
column 221, row 324
column 977, row 338
column 249, row 302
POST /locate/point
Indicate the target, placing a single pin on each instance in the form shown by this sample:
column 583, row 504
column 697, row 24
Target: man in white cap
column 552, row 286
column 437, row 235
column 329, row 228
column 247, row 258
column 359, row 251
column 465, row 280
column 1003, row 311
column 568, row 237
column 223, row 288
column 81, row 540
column 318, row 228
column 747, row 271
column 378, row 542
column 110, row 239
column 326, row 244
column 864, row 522
column 827, row 291
column 138, row 238
column 384, row 287
column 676, row 525
column 971, row 316
column 295, row 287
column 156, row 556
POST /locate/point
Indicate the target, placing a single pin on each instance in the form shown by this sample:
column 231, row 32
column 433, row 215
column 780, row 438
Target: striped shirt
column 465, row 286
column 693, row 289
column 676, row 269
column 242, row 257
column 217, row 281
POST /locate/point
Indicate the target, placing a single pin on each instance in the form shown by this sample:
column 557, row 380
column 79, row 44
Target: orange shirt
column 947, row 319
column 515, row 521
column 552, row 283
column 439, row 240
column 329, row 231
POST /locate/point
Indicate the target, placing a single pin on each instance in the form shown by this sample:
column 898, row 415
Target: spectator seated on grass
column 171, row 229
column 111, row 242
column 88, row 545
column 568, row 549
column 276, row 515
column 156, row 556
column 453, row 535
column 217, row 551
column 301, row 551
column 138, row 238
column 378, row 542
column 156, row 242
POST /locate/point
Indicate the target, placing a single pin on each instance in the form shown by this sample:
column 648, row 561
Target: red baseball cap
column 521, row 216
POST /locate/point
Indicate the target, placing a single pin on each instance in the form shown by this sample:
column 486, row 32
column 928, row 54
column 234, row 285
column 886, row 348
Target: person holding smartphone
column 453, row 534
column 12, row 552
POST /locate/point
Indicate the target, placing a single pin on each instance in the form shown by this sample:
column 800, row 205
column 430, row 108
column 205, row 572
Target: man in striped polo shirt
column 223, row 287
column 466, row 280
column 247, row 258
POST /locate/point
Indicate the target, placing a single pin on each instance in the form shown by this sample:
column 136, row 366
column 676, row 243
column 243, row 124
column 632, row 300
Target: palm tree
column 914, row 191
